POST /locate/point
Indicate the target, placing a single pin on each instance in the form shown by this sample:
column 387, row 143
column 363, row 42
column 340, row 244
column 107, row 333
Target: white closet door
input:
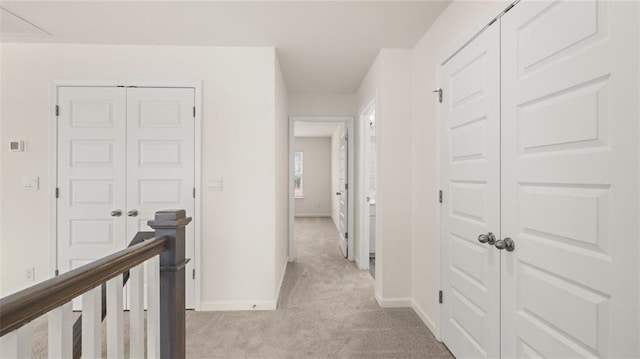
column 160, row 161
column 91, row 174
column 570, row 179
column 471, row 207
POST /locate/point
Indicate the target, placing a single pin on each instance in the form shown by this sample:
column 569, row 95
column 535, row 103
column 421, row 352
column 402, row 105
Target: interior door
column 470, row 165
column 123, row 154
column 370, row 180
column 90, row 174
column 570, row 179
column 160, row 161
column 344, row 193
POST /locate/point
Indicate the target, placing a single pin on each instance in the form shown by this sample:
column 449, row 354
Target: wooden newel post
column 171, row 223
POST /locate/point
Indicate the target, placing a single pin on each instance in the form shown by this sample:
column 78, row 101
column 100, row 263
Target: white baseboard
column 426, row 319
column 238, row 305
column 286, row 262
column 362, row 266
column 213, row 306
column 393, row 302
column 313, row 214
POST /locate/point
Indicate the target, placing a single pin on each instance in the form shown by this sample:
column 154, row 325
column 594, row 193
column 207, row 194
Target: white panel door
column 90, row 174
column 471, row 182
column 344, row 194
column 160, row 161
column 570, row 179
column 370, row 181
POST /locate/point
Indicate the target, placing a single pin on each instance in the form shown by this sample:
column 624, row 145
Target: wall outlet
column 30, row 274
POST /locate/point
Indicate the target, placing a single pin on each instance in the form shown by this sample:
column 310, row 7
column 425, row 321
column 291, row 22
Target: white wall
column 390, row 77
column 322, row 105
column 281, row 178
column 239, row 143
column 457, row 24
column 637, row 60
column 335, row 174
column 316, row 182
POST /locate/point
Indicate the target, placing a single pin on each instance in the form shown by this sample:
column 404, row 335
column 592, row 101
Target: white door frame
column 53, row 160
column 348, row 121
column 363, row 234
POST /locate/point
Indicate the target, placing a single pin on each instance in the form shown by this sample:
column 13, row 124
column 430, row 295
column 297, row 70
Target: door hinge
column 346, row 186
column 56, row 273
column 57, row 192
column 194, row 112
column 193, row 274
column 57, row 110
column 440, row 196
column 194, row 192
column 440, row 297
column 439, row 91
column 346, row 235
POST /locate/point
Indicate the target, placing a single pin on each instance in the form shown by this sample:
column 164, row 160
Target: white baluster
column 24, row 341
column 61, row 331
column 115, row 318
column 92, row 323
column 16, row 344
column 136, row 311
column 9, row 345
column 153, row 307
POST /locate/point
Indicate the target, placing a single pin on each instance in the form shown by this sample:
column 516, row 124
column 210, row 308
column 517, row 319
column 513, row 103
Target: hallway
column 326, row 310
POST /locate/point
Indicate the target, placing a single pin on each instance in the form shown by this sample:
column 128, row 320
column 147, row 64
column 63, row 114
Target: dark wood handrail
column 22, row 307
column 77, row 326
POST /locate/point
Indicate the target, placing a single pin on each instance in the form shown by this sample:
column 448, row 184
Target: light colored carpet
column 326, row 310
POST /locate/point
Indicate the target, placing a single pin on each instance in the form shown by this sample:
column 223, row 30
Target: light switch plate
column 31, row 183
column 214, row 184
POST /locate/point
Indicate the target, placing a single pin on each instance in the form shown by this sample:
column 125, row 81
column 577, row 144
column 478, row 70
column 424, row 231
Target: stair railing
column 164, row 255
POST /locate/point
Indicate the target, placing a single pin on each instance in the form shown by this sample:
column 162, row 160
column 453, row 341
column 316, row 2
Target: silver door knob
column 132, row 213
column 487, row 238
column 507, row 244
column 116, row 213
column 368, row 199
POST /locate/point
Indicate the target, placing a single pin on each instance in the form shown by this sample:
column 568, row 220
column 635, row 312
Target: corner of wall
column 455, row 25
column 281, row 165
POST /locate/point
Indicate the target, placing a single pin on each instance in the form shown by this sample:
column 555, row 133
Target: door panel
column 344, row 194
column 570, row 179
column 121, row 149
column 160, row 161
column 90, row 177
column 471, row 181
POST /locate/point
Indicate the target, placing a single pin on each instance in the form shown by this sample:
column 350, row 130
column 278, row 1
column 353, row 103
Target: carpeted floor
column 326, row 310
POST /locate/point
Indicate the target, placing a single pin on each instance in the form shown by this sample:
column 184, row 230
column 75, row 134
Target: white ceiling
column 315, row 129
column 324, row 47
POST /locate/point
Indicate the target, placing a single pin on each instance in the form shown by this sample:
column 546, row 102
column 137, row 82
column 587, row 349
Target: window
column 297, row 175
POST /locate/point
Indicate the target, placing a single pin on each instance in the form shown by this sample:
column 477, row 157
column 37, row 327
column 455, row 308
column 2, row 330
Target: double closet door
column 123, row 154
column 540, row 178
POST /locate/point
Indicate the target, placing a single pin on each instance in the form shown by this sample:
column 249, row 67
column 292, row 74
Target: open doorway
column 321, row 162
column 367, row 188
